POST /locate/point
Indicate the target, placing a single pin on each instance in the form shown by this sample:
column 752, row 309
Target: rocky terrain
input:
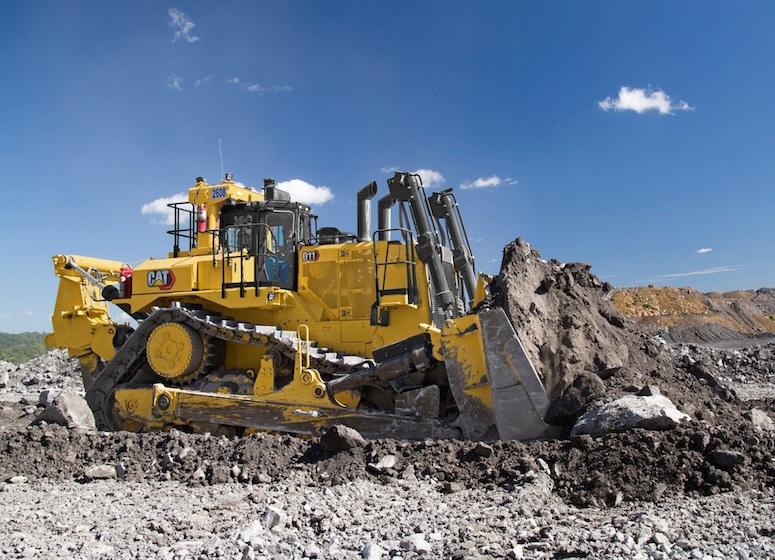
column 684, row 314
column 702, row 488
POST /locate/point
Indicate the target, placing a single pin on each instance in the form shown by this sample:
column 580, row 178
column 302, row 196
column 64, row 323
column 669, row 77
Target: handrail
column 409, row 262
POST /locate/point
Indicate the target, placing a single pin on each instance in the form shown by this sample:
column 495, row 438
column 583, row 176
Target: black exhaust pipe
column 364, row 210
column 384, row 205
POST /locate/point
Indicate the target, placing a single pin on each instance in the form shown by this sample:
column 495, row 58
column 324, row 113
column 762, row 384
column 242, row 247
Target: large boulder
column 69, row 409
column 655, row 412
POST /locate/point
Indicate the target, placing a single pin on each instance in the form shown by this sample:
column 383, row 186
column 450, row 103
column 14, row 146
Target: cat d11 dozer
column 259, row 320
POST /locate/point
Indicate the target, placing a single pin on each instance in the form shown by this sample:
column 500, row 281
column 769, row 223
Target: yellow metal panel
column 81, row 317
column 357, row 289
column 165, row 276
column 462, row 342
column 319, row 277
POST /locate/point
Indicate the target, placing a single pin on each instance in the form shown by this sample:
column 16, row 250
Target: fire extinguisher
column 201, row 219
column 125, row 282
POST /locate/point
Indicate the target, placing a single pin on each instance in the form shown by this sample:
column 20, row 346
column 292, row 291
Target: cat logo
column 162, row 279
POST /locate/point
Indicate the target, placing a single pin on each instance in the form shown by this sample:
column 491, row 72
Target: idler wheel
column 175, row 351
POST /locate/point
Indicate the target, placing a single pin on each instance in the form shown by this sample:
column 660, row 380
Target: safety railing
column 184, row 219
column 391, row 286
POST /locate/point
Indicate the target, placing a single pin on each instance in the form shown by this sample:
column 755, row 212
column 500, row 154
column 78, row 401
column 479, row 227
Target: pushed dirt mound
column 569, row 327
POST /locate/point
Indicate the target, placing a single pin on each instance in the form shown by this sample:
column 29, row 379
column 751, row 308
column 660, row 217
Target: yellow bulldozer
column 259, row 320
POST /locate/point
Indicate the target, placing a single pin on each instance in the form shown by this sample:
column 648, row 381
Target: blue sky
column 636, row 137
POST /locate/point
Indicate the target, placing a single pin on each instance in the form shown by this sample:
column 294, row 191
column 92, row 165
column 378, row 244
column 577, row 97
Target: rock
column 100, row 472
column 482, row 449
column 762, row 422
column 311, row 551
column 262, row 478
column 3, row 378
column 384, row 464
column 572, row 401
column 371, row 551
column 252, row 534
column 34, row 380
column 703, row 370
column 416, row 543
column 120, row 470
column 452, row 487
column 726, row 458
column 341, row 438
column 649, row 391
column 167, row 461
column 652, row 413
column 218, row 474
column 47, row 396
column 274, row 517
column 69, row 409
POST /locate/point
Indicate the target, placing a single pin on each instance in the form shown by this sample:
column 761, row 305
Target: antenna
column 220, row 149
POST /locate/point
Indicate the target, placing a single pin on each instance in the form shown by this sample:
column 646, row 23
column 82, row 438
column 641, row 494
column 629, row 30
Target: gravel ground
column 437, row 502
column 361, row 519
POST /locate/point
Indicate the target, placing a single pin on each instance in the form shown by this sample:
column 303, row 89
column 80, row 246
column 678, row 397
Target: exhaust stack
column 364, row 210
column 384, row 205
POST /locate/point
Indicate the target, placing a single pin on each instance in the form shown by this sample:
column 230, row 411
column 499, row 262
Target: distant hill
column 685, row 314
column 19, row 348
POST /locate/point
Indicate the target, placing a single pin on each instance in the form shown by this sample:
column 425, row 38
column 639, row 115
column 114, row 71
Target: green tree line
column 19, row 348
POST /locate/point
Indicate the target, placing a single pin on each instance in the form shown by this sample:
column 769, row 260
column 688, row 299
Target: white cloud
column 28, row 313
column 704, row 250
column 303, row 192
column 430, row 178
column 182, row 26
column 203, row 81
column 706, row 271
column 483, row 183
column 642, row 100
column 715, row 270
column 175, row 82
column 6, row 316
column 256, row 88
column 159, row 208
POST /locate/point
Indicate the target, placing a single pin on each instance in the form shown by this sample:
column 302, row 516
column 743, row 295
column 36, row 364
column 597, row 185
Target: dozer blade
column 498, row 392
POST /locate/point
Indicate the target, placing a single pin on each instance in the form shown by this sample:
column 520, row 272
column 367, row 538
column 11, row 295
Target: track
column 131, row 357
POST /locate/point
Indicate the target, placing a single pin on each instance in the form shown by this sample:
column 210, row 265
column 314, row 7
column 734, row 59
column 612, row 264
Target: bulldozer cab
column 269, row 232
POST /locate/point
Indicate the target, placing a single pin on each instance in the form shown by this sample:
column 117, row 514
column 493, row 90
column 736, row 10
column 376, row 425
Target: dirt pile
column 569, row 327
